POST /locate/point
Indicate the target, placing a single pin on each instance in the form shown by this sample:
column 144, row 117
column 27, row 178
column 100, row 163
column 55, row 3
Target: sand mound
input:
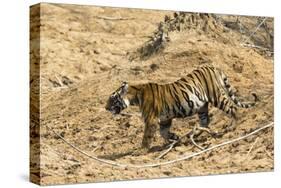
column 181, row 21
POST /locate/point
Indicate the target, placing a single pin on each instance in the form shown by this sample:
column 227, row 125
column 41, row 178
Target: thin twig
column 255, row 46
column 59, row 81
column 194, row 143
column 246, row 40
column 269, row 155
column 166, row 151
column 81, row 151
column 181, row 158
column 96, row 148
column 251, row 148
column 171, row 145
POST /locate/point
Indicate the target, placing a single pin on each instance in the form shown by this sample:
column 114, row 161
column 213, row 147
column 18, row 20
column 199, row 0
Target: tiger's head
column 117, row 101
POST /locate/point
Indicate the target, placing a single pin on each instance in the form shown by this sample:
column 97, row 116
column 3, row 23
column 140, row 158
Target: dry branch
column 59, row 81
column 256, row 29
column 181, row 158
column 248, row 153
column 166, row 151
column 269, row 155
column 255, row 46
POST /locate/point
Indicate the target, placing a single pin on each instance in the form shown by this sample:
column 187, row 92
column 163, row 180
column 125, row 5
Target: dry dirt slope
column 84, row 57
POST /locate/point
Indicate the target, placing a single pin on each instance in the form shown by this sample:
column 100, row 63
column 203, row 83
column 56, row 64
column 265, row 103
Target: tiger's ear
column 125, row 87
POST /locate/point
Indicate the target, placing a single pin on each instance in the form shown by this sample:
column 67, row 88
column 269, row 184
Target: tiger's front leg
column 149, row 132
column 165, row 131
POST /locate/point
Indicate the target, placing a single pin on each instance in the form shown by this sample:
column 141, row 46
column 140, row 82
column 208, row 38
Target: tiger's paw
column 173, row 137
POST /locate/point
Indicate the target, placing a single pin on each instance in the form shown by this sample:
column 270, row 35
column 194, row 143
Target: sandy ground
column 84, row 58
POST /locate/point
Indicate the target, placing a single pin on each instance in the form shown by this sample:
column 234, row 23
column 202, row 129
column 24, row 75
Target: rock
column 105, row 67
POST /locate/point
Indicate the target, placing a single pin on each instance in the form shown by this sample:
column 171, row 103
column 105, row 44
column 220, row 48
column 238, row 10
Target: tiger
column 192, row 94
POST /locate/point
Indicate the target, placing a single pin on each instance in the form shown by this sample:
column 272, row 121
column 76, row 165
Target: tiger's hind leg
column 204, row 119
column 228, row 106
column 165, row 131
column 203, row 115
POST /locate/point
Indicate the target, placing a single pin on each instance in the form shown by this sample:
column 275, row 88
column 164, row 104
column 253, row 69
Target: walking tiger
column 191, row 94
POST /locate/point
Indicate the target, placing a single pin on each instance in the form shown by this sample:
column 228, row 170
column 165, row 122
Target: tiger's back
column 189, row 94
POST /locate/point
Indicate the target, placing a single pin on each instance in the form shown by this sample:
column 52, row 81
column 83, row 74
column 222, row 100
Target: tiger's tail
column 230, row 90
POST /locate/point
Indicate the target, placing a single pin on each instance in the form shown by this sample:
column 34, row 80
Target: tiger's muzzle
column 115, row 104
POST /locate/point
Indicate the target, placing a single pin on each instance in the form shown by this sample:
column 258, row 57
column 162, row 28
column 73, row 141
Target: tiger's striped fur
column 159, row 104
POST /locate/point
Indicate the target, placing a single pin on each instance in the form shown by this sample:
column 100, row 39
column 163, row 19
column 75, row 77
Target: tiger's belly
column 182, row 110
